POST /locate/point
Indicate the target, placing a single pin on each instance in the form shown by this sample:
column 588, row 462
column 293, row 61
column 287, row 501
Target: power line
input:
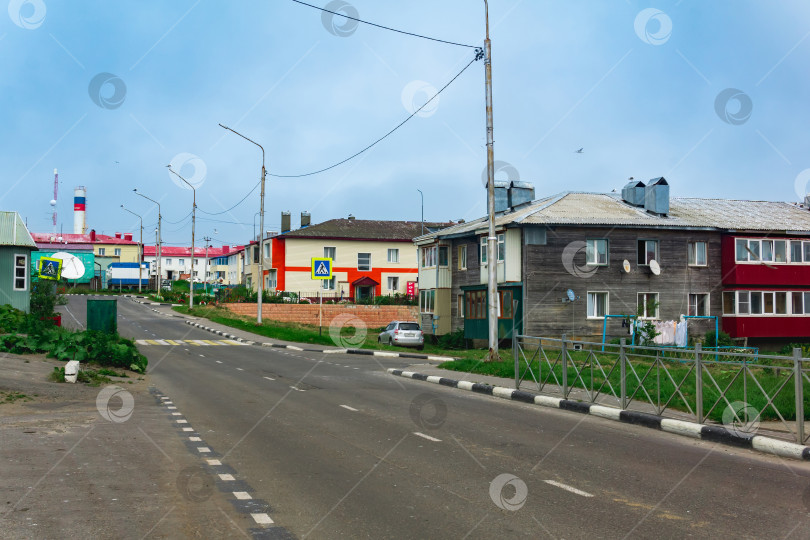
column 385, row 27
column 478, row 55
column 234, row 206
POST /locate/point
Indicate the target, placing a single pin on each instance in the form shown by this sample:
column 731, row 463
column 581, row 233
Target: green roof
column 13, row 231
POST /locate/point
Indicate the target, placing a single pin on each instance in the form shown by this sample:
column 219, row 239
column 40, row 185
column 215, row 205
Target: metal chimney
column 305, row 219
column 633, row 192
column 501, row 196
column 285, row 222
column 520, row 193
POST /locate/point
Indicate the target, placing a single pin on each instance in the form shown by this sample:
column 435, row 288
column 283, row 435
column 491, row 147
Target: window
column 501, row 247
column 764, row 250
column 462, row 257
column 534, row 236
column 329, row 253
column 328, row 284
column 743, row 302
column 780, row 251
column 648, row 305
column 460, row 305
column 20, row 272
column 443, row 255
column 806, row 251
column 505, row 307
column 699, row 304
column 483, row 250
column 393, row 283
column 767, row 251
column 697, row 254
column 741, row 249
column 426, row 300
column 647, row 251
column 476, row 305
column 181, row 262
column 117, row 252
column 780, row 303
column 756, row 303
column 266, row 250
column 255, row 254
column 196, row 261
column 393, row 255
column 729, row 298
column 597, row 305
column 428, row 256
column 101, row 252
column 596, row 251
column 168, row 261
column 796, row 251
column 364, row 262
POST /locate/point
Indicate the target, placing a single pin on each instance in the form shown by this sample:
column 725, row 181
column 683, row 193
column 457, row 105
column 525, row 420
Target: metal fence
column 748, row 393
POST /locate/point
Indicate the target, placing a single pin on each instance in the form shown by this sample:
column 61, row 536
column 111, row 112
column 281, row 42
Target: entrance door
column 364, row 292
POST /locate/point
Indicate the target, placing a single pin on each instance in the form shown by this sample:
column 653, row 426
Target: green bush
column 12, row 320
column 723, row 339
column 453, row 340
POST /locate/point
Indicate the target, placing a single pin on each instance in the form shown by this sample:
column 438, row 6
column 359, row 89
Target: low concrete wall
column 372, row 316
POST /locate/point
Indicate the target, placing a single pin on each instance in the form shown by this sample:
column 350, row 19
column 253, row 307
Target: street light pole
column 193, row 224
column 159, row 244
column 492, row 240
column 261, row 229
column 140, row 248
column 205, row 282
column 423, row 209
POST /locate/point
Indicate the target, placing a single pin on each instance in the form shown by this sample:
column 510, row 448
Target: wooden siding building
column 16, row 245
column 638, row 253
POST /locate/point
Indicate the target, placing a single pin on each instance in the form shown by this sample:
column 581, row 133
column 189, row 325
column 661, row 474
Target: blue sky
column 634, row 83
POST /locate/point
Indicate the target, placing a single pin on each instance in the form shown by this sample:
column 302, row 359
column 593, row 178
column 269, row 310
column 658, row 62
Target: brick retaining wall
column 373, row 316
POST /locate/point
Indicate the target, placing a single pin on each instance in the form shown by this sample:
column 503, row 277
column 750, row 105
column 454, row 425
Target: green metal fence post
column 699, row 382
column 799, row 382
column 564, row 353
column 623, row 371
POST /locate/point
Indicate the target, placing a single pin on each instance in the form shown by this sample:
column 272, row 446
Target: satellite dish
column 570, row 294
column 72, row 266
column 654, row 267
column 626, row 266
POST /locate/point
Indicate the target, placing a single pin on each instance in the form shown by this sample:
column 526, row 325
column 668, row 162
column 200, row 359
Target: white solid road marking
column 213, row 462
column 226, row 477
column 262, row 519
column 270, row 378
column 428, row 437
column 566, row 487
column 195, row 439
column 242, row 495
column 349, row 408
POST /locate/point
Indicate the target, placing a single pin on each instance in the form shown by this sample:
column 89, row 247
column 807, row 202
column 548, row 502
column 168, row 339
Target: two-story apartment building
column 176, row 263
column 638, row 253
column 370, row 258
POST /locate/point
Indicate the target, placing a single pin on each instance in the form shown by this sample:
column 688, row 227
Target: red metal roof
column 179, row 251
column 81, row 239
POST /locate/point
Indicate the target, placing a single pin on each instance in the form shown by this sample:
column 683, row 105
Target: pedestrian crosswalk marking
column 195, row 342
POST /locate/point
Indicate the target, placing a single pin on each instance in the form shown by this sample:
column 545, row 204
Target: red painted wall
column 788, row 327
column 279, row 254
column 353, row 274
column 752, row 274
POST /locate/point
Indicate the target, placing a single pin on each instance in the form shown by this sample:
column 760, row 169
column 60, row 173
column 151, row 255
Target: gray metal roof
column 608, row 209
column 13, row 231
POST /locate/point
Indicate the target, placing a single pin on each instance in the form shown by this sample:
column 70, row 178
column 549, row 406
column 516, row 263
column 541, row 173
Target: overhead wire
column 234, row 206
column 385, row 27
column 478, row 55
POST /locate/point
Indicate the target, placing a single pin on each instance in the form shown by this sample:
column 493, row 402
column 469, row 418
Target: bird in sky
column 579, row 151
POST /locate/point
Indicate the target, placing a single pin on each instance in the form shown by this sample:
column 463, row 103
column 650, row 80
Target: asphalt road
column 338, row 448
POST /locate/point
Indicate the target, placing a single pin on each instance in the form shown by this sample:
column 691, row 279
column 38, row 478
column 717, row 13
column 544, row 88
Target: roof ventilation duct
column 656, row 196
column 501, row 196
column 285, row 222
column 633, row 192
column 520, row 193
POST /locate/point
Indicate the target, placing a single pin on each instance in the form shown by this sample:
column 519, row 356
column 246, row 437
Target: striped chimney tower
column 79, row 206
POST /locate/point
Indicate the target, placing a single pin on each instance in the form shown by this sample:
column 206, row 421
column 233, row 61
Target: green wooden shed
column 16, row 245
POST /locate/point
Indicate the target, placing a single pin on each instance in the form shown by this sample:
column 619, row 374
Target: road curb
column 366, row 352
column 718, row 434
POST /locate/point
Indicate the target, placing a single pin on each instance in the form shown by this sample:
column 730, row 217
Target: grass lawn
column 302, row 333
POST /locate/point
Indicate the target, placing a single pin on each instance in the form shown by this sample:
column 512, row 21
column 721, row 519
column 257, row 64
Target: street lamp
column 261, row 228
column 193, row 223
column 140, row 247
column 159, row 244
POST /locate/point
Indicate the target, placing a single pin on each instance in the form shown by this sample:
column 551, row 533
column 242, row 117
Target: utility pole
column 193, row 225
column 261, row 229
column 140, row 248
column 492, row 240
column 205, row 282
column 159, row 241
column 423, row 209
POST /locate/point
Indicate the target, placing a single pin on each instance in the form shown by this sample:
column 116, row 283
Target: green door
column 102, row 315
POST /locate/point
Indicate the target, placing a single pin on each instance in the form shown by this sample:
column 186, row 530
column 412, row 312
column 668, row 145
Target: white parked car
column 404, row 334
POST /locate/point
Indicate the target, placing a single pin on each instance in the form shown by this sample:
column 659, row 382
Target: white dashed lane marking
column 218, row 362
column 262, row 519
column 203, row 449
column 428, row 437
column 195, row 439
column 568, row 488
column 270, row 378
column 297, row 389
column 242, row 495
column 226, row 477
column 349, row 408
column 239, row 369
column 213, row 462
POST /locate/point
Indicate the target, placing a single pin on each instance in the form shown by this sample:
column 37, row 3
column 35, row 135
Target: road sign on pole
column 321, row 268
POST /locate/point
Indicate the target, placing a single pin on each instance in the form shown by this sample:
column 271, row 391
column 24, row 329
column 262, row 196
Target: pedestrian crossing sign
column 50, row 268
column 321, row 268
